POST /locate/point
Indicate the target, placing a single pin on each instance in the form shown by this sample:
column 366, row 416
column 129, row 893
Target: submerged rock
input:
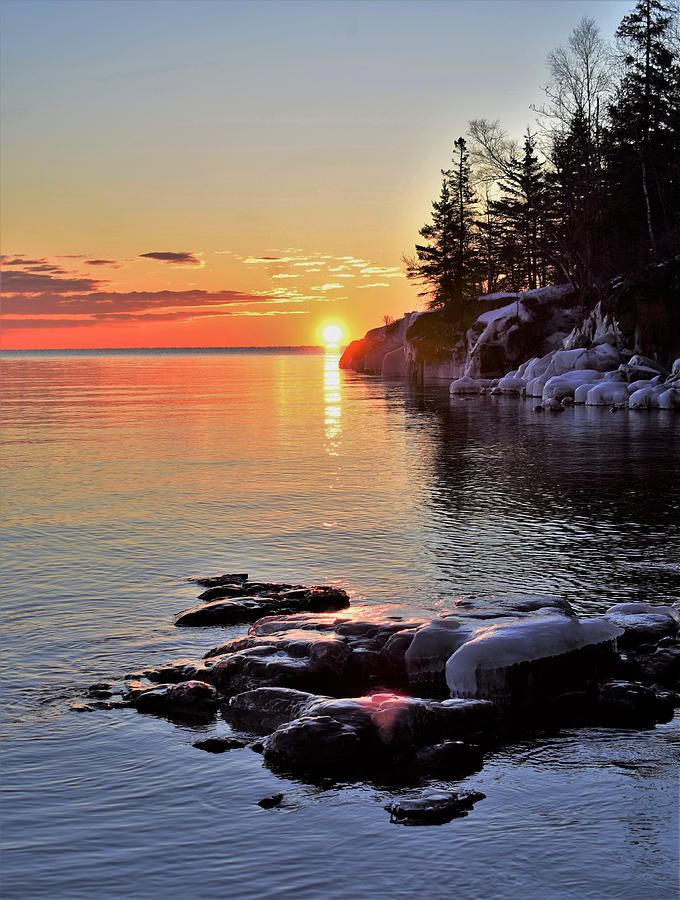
column 219, row 745
column 433, row 807
column 270, row 802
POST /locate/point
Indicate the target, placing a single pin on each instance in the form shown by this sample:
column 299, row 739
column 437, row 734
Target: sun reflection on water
column 332, row 402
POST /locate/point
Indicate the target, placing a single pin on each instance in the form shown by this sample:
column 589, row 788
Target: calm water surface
column 124, row 475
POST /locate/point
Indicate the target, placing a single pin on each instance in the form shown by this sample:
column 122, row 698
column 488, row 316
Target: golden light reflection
column 332, row 401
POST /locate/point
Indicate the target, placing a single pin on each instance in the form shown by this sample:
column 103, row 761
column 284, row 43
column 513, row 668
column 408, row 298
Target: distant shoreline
column 164, row 351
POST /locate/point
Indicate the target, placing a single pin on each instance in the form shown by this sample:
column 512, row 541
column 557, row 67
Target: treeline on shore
column 592, row 193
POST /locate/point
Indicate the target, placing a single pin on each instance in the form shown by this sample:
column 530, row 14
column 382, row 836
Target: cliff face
column 495, row 334
column 640, row 314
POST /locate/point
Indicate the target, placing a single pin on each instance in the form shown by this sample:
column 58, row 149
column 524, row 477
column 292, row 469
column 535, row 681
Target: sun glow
column 332, row 335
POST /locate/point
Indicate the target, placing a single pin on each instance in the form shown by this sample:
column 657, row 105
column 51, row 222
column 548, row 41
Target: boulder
column 264, row 709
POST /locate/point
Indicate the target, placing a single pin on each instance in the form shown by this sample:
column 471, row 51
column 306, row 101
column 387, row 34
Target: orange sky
column 213, row 173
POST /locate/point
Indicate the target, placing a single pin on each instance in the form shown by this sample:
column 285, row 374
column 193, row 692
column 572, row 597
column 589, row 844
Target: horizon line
column 321, row 347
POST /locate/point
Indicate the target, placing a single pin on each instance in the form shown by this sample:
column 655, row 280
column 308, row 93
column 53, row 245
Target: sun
column 331, row 334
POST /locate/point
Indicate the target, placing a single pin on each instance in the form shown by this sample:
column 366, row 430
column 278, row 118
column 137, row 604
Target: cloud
column 27, row 282
column 384, row 272
column 175, row 258
column 326, row 287
column 285, row 275
column 54, row 309
column 102, row 262
column 376, row 284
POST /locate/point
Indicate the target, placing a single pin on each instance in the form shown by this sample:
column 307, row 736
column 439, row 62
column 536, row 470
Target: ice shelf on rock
column 481, row 666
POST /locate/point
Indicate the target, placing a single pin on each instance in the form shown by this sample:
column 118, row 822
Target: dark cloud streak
column 177, row 258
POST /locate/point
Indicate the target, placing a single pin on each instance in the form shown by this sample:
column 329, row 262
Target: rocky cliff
column 516, row 343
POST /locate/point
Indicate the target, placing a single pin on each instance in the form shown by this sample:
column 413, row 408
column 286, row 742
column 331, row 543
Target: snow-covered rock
column 581, row 392
column 561, row 386
column 511, row 384
column 467, row 385
column 669, row 399
column 645, row 363
column 647, row 397
column 608, row 393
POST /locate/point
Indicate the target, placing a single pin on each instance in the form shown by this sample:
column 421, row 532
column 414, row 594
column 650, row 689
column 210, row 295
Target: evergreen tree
column 644, row 136
column 447, row 263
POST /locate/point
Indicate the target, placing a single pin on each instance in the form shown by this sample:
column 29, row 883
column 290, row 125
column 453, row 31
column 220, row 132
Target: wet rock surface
column 349, row 693
column 433, row 807
column 233, row 604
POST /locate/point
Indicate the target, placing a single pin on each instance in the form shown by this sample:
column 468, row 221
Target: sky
column 215, row 173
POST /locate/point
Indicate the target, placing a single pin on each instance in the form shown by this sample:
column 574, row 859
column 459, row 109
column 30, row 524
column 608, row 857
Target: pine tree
column 644, row 136
column 448, row 262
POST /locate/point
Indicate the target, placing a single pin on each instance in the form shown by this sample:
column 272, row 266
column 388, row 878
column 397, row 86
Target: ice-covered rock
column 669, row 399
column 608, row 393
column 504, row 659
column 434, row 643
column 643, row 622
column 466, row 385
column 561, row 386
column 535, row 385
column 647, row 397
column 644, row 363
column 511, row 384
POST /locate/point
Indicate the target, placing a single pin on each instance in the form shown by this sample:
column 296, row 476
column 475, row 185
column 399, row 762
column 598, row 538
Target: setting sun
column 332, row 334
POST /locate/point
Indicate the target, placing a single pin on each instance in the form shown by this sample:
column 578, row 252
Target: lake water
column 125, row 474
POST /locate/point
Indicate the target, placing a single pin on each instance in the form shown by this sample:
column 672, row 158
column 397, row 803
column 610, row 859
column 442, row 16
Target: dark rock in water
column 248, row 607
column 187, row 699
column 314, row 744
column 219, row 745
column 262, row 710
column 135, row 688
column 245, row 589
column 433, row 807
column 99, row 694
column 224, row 612
column 450, row 759
column 181, row 670
column 362, row 734
column 661, row 666
column 625, row 704
column 215, row 580
column 270, row 802
column 307, row 662
column 101, row 686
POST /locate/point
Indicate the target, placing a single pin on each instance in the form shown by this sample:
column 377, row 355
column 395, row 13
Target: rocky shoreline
column 327, row 690
column 541, row 344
